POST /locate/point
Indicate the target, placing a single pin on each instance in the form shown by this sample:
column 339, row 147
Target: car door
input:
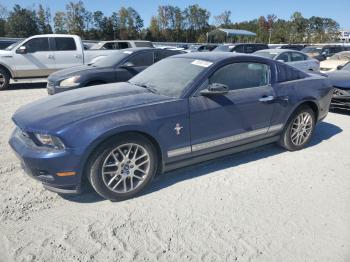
column 38, row 61
column 135, row 64
column 299, row 61
column 66, row 52
column 241, row 115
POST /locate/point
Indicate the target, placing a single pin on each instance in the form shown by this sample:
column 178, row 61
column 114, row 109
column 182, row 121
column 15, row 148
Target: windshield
column 340, row 56
column 312, row 49
column 170, row 76
column 14, row 45
column 346, row 67
column 222, row 48
column 112, row 59
column 267, row 54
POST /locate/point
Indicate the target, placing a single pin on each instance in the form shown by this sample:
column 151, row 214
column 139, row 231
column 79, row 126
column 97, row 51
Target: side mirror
column 127, row 65
column 21, row 50
column 339, row 67
column 215, row 89
column 280, row 60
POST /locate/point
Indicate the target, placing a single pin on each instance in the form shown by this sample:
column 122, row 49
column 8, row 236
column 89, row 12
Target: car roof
column 216, row 56
column 117, row 41
column 278, row 50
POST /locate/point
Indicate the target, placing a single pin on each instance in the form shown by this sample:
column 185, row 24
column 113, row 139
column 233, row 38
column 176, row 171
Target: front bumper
column 340, row 99
column 43, row 164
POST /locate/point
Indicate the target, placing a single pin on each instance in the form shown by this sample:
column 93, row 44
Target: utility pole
column 270, row 33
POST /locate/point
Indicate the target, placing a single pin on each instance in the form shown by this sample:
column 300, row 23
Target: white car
column 40, row 55
column 292, row 58
column 332, row 63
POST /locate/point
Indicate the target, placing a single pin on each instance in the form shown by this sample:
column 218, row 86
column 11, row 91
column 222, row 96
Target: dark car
column 296, row 47
column 117, row 67
column 240, row 48
column 322, row 52
column 182, row 110
column 341, row 83
column 201, row 48
column 6, row 43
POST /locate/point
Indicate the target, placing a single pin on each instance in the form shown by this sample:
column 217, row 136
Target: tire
column 299, row 129
column 4, row 79
column 112, row 170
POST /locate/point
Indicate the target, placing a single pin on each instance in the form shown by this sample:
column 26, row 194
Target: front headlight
column 70, row 82
column 50, row 141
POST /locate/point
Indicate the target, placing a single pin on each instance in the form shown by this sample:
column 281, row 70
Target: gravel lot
column 263, row 205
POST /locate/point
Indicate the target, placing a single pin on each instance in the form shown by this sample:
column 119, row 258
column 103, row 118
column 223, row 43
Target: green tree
column 3, row 18
column 44, row 20
column 76, row 18
column 21, row 22
column 60, row 23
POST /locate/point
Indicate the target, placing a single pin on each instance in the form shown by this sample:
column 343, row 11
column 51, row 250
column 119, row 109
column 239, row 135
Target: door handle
column 266, row 98
column 77, row 56
column 50, row 57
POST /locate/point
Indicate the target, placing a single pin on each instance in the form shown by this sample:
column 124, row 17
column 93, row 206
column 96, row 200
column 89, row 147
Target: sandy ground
column 263, row 205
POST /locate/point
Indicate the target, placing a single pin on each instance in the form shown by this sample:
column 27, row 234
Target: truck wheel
column 4, row 79
column 122, row 167
column 299, row 129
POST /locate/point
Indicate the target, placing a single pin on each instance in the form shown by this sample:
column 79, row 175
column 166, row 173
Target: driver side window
column 242, row 75
column 37, row 45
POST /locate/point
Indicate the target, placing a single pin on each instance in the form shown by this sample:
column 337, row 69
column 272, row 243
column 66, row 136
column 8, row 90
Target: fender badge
column 178, row 128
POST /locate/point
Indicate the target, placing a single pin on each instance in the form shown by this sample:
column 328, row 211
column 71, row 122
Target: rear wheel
column 299, row 129
column 122, row 167
column 4, row 79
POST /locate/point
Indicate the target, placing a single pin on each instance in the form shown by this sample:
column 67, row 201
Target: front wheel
column 299, row 129
column 4, row 79
column 122, row 167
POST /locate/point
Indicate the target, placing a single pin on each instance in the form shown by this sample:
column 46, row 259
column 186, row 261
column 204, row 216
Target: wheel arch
column 310, row 103
column 99, row 141
column 8, row 70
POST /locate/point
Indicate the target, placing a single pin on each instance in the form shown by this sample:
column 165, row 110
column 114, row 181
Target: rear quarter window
column 287, row 73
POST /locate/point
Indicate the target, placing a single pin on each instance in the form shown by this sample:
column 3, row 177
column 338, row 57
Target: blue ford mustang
column 182, row 110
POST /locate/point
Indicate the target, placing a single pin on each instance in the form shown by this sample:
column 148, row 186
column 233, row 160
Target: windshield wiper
column 148, row 87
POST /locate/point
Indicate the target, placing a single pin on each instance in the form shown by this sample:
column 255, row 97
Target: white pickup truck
column 40, row 55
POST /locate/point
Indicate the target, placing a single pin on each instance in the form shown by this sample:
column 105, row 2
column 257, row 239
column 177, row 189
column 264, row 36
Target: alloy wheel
column 2, row 80
column 126, row 167
column 301, row 128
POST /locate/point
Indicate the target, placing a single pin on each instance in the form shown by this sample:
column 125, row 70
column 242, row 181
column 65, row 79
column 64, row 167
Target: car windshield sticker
column 128, row 52
column 201, row 63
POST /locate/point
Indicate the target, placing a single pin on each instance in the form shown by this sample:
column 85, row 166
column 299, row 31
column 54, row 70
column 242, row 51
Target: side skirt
column 221, row 153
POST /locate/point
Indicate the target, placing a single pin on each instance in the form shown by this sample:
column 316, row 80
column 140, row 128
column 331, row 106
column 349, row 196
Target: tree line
column 170, row 23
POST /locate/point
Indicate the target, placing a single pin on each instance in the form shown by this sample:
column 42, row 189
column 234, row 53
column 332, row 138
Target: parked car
column 341, row 83
column 121, row 44
column 6, row 43
column 39, row 56
column 335, row 61
column 182, row 110
column 297, row 47
column 291, row 57
column 201, row 48
column 240, row 48
column 117, row 67
column 321, row 52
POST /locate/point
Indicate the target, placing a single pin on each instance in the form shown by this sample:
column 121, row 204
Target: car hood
column 53, row 113
column 4, row 53
column 73, row 71
column 340, row 78
column 332, row 64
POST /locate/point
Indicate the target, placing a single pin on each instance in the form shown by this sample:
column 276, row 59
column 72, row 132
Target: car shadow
column 324, row 131
column 21, row 86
